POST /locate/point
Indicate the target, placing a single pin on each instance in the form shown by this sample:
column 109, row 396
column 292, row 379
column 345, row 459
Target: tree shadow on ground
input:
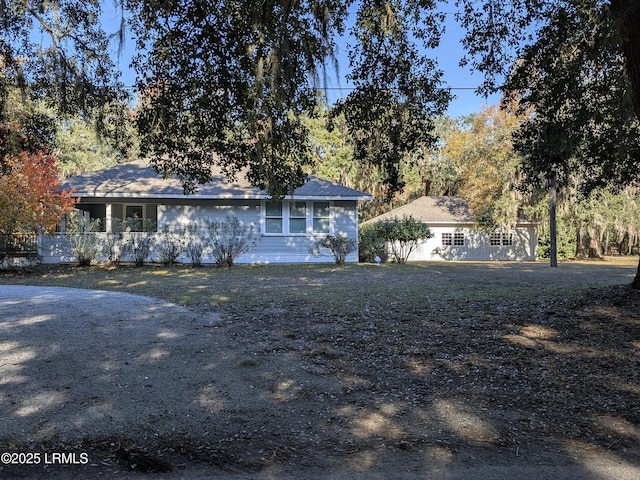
column 134, row 381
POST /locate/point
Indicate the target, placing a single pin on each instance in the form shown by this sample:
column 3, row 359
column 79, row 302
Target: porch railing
column 19, row 246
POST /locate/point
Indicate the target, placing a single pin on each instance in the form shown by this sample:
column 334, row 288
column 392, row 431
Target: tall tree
column 227, row 84
column 79, row 151
column 584, row 126
column 490, row 170
column 57, row 52
column 332, row 148
column 28, row 128
column 579, row 68
column 392, row 109
column 627, row 23
column 440, row 168
column 498, row 30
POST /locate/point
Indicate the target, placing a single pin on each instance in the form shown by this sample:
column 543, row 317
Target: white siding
column 55, row 249
column 477, row 245
column 180, row 215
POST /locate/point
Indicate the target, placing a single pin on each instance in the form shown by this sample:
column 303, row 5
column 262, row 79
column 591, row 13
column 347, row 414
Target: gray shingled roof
column 431, row 210
column 138, row 180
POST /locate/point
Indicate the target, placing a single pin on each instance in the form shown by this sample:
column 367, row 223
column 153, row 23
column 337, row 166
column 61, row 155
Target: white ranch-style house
column 456, row 237
column 287, row 228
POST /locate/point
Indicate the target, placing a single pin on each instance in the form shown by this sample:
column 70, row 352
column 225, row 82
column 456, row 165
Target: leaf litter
column 507, row 359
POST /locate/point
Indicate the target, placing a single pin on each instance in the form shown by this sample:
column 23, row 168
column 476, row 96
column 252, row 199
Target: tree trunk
column 553, row 203
column 628, row 14
column 636, row 281
column 580, row 247
column 594, row 246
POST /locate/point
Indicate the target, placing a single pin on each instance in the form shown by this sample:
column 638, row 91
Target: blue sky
column 461, row 80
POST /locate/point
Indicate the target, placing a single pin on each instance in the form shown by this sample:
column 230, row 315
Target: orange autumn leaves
column 31, row 200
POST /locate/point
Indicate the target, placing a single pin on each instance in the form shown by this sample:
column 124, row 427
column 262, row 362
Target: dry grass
column 481, row 354
column 348, row 289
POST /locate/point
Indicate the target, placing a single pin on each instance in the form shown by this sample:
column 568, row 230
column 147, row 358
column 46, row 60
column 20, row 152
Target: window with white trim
column 447, row 239
column 296, row 217
column 458, row 239
column 497, row 239
column 273, row 217
column 321, row 217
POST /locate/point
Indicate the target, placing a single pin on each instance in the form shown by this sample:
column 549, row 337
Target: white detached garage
column 456, row 237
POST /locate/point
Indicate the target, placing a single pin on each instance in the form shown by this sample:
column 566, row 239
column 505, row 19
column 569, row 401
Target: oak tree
column 397, row 96
column 58, row 52
column 576, row 64
column 228, row 84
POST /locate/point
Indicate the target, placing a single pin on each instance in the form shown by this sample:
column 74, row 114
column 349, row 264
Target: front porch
column 129, row 212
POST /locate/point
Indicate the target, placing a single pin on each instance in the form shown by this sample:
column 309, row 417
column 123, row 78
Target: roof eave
column 174, row 196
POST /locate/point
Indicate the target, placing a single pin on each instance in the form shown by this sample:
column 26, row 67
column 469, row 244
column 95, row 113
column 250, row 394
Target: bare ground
column 432, row 371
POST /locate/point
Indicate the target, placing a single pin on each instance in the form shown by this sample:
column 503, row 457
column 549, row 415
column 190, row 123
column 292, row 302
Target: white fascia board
column 357, row 198
column 118, row 195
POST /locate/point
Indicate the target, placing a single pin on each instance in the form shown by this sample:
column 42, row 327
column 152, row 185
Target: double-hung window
column 296, row 217
column 321, row 217
column 273, row 217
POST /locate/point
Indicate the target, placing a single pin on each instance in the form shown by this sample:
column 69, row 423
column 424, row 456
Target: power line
column 132, row 87
column 439, row 88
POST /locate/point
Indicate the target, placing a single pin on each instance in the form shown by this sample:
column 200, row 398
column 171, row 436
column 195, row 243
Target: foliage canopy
column 227, row 85
column 403, row 236
column 58, row 52
column 30, row 200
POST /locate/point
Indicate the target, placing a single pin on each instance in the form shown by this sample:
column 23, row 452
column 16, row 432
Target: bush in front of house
column 338, row 246
column 195, row 242
column 139, row 243
column 170, row 246
column 114, row 247
column 402, row 236
column 81, row 232
column 370, row 245
column 230, row 238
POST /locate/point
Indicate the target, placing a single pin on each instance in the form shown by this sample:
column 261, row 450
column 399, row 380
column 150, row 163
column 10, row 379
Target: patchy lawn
column 495, row 360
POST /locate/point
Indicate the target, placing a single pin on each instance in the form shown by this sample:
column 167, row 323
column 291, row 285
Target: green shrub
column 170, row 246
column 370, row 245
column 195, row 242
column 81, row 232
column 114, row 247
column 338, row 246
column 139, row 239
column 402, row 236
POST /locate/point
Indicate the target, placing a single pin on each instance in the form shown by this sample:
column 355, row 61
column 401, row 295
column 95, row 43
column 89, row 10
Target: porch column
column 107, row 219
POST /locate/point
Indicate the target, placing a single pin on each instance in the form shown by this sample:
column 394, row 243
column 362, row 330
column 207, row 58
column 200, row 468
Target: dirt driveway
column 110, row 385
